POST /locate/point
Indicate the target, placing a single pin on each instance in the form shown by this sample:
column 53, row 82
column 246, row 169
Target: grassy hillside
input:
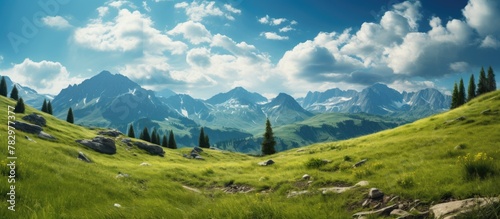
column 414, row 161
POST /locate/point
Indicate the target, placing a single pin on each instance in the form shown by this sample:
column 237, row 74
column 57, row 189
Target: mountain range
column 113, row 100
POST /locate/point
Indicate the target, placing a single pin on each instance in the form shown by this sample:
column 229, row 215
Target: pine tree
column 19, row 108
column 492, row 84
column 145, row 135
column 454, row 97
column 207, row 141
column 44, row 106
column 268, row 142
column 201, row 141
column 131, row 132
column 164, row 141
column 3, row 87
column 14, row 94
column 461, row 93
column 70, row 117
column 49, row 108
column 171, row 141
column 153, row 137
column 471, row 91
column 482, row 85
column 158, row 139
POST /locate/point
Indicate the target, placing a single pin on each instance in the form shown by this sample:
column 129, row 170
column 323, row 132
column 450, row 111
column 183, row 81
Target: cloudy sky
column 206, row 47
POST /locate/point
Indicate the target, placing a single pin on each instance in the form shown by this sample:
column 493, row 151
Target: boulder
column 453, row 209
column 198, row 157
column 35, row 119
column 150, row 148
column 335, row 189
column 46, row 136
column 110, row 133
column 266, row 163
column 375, row 193
column 198, row 149
column 26, row 127
column 306, row 177
column 383, row 211
column 358, row 164
column 100, row 144
column 82, row 157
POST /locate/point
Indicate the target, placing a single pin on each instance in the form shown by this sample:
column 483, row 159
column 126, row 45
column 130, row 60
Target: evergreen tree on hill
column 454, row 97
column 3, row 87
column 19, row 108
column 164, row 141
column 49, row 108
column 44, row 106
column 171, row 141
column 70, row 118
column 131, row 132
column 154, row 140
column 268, row 142
column 482, row 85
column 14, row 94
column 461, row 93
column 471, row 91
column 492, row 84
column 145, row 135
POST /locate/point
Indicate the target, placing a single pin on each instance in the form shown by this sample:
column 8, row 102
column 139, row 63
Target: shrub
column 208, row 171
column 478, row 166
column 406, row 181
column 347, row 158
column 315, row 163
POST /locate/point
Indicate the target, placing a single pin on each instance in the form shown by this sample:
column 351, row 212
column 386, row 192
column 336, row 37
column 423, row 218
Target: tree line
column 154, row 137
column 485, row 84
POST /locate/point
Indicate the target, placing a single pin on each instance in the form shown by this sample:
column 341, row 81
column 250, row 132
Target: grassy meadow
column 423, row 160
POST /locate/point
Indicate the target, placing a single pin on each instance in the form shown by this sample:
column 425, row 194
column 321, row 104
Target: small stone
column 82, row 157
column 145, row 164
column 362, row 183
column 46, row 136
column 358, row 164
column 117, row 205
column 366, row 203
column 306, row 177
column 375, row 193
column 399, row 213
column 294, row 193
column 266, row 163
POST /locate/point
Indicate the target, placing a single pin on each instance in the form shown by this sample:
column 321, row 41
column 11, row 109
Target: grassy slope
column 52, row 183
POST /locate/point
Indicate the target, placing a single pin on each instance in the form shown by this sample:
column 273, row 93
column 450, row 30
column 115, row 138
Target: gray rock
column 26, row 127
column 335, row 190
column 35, row 119
column 266, row 163
column 358, row 164
column 46, row 136
column 82, row 157
column 110, row 132
column 29, row 139
column 452, row 209
column 375, row 193
column 198, row 149
column 366, row 203
column 383, row 211
column 198, row 157
column 306, row 177
column 122, row 175
column 299, row 193
column 100, row 144
column 399, row 213
column 150, row 148
column 145, row 164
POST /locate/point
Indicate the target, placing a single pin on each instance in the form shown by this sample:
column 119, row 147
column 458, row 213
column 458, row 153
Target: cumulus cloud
column 195, row 32
column 46, row 77
column 198, row 57
column 273, row 36
column 57, row 22
column 271, row 21
column 128, row 31
column 197, row 11
column 394, row 50
column 103, row 11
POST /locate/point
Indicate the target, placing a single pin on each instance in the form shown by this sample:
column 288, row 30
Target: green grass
column 414, row 161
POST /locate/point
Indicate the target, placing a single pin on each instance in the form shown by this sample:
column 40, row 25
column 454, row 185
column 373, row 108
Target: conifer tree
column 70, row 117
column 461, row 93
column 158, row 139
column 145, row 135
column 19, row 108
column 3, row 87
column 44, row 106
column 201, row 141
column 492, row 84
column 49, row 108
column 207, row 141
column 154, row 140
column 471, row 91
column 454, row 97
column 131, row 132
column 268, row 142
column 171, row 141
column 164, row 141
column 482, row 85
column 14, row 94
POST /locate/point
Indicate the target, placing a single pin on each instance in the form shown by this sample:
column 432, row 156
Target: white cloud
column 272, row 21
column 273, row 36
column 490, row 42
column 103, row 11
column 197, row 11
column 118, row 4
column 56, row 22
column 483, row 15
column 145, row 6
column 45, row 77
column 195, row 32
column 286, row 29
column 459, row 66
column 198, row 57
column 128, row 31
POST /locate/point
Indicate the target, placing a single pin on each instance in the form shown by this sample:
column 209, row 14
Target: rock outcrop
column 100, row 144
column 150, row 148
column 35, row 119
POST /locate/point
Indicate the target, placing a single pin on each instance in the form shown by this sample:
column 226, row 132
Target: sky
column 205, row 47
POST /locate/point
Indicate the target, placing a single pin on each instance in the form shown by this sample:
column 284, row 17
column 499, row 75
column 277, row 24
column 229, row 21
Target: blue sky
column 206, row 47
